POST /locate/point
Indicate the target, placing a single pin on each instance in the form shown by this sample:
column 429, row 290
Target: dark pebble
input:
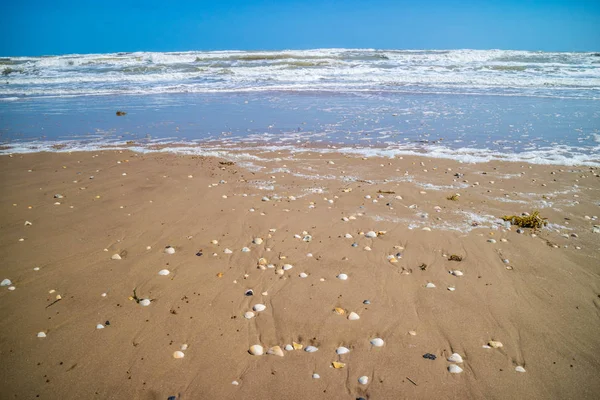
column 429, row 356
column 107, row 323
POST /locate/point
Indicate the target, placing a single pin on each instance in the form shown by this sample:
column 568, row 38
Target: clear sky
column 45, row 27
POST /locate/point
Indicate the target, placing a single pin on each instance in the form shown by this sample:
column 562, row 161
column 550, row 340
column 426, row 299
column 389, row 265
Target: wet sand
column 538, row 294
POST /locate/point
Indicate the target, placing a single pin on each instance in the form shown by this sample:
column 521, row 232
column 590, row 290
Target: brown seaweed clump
column 530, row 221
column 454, row 197
column 454, row 257
column 121, row 113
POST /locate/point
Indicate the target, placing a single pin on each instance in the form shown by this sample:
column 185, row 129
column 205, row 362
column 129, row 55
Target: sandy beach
column 81, row 231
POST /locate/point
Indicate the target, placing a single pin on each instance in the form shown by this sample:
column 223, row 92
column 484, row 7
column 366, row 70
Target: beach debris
column 145, row 302
column 491, row 241
column 377, row 342
column 245, row 249
column 41, row 334
column 164, row 272
column 455, row 257
column 58, row 196
column 519, row 369
column 454, row 369
column 287, row 267
column 27, row 223
column 227, row 251
column 339, row 311
column 453, row 197
column 257, row 240
column 303, row 275
column 121, row 113
column 342, row 350
column 342, row 277
column 311, row 349
column 219, row 274
column 430, row 285
column 527, row 221
column 371, row 234
column 249, row 315
column 115, row 257
column 275, row 351
column 596, row 229
column 455, row 358
column 456, row 273
column 170, row 250
column 99, row 326
column 249, row 292
column 178, row 354
column 256, row 350
column 338, row 365
column 265, row 199
column 429, row 356
column 495, row 344
column 353, row 316
column 289, row 347
column 297, row 346
column 316, row 376
column 259, row 307
column 451, row 288
column 366, row 302
column 6, row 282
column 363, row 380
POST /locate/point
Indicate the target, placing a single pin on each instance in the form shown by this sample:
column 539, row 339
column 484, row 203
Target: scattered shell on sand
column 99, row 326
column 316, row 376
column 184, row 347
column 377, row 342
column 164, row 272
column 170, row 250
column 338, row 365
column 249, row 315
column 302, row 275
column 27, row 223
column 115, row 257
column 297, row 346
column 495, row 344
column 412, row 333
column 339, row 311
column 257, row 240
column 371, row 234
column 178, row 354
column 275, row 351
column 342, row 277
column 363, row 380
column 342, row 350
column 348, row 236
column 11, row 288
column 145, row 302
column 41, row 334
column 491, row 240
column 227, row 251
column 256, row 350
column 451, row 288
column 456, row 273
column 520, row 369
column 455, row 358
column 311, row 349
column 289, row 347
column 287, row 267
column 6, row 282
column 455, row 369
column 259, row 307
column 245, row 249
column 430, row 285
column 353, row 316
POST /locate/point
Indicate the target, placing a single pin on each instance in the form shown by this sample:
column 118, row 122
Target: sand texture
column 537, row 293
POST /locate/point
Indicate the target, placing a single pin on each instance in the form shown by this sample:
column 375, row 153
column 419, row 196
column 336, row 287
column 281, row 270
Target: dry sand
column 545, row 310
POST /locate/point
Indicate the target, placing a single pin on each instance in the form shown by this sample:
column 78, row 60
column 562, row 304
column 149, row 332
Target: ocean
column 472, row 105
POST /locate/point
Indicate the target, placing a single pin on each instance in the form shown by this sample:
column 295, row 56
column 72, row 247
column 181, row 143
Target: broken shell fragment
column 338, row 365
column 519, row 369
column 297, row 346
column 275, row 351
column 249, row 315
column 115, row 257
column 342, row 277
column 145, row 302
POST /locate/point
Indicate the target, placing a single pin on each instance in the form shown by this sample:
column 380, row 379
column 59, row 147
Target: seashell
column 265, row 198
column 307, row 238
column 145, row 302
column 170, row 250
column 275, row 351
column 454, row 369
column 342, row 350
column 297, row 346
column 353, row 316
column 245, row 249
column 348, row 236
column 280, row 272
column 342, row 277
column 184, row 347
column 256, row 350
column 288, row 347
column 58, row 196
column 41, row 335
column 302, row 275
column 214, row 241
column 311, row 349
column 287, row 267
column 371, row 234
column 412, row 333
column 377, row 342
column 456, row 273
column 519, row 369
column 428, row 229
column 115, row 257
column 491, row 240
column 227, row 251
column 430, row 285
column 367, row 248
column 11, row 288
column 338, row 365
column 495, row 344
column 6, row 282
column 27, row 223
column 249, row 292
column 316, row 376
column 178, row 354
column 455, row 358
column 36, row 269
column 257, row 240
column 340, row 311
column 259, row 307
column 352, row 217
column 345, row 219
column 164, row 272
column 249, row 315
column 363, row 380
column 392, row 259
column 451, row 288
column 99, row 326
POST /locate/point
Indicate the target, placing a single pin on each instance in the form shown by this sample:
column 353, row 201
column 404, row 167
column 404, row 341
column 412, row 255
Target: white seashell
column 342, row 277
column 367, row 248
column 455, row 358
column 99, row 326
column 520, row 369
column 491, row 240
column 164, row 272
column 451, row 288
column 287, row 267
column 311, row 349
column 309, row 255
column 342, row 350
column 371, row 234
column 353, row 316
column 257, row 240
column 235, row 383
column 27, row 223
column 457, row 273
column 289, row 347
column 495, row 344
column 249, row 315
column 265, row 198
column 6, row 282
column 430, row 285
column 245, row 249
column 377, row 342
column 348, row 236
column 145, row 302
column 256, row 350
column 227, row 251
column 170, row 250
column 259, row 307
column 11, row 288
column 454, row 369
column 41, row 335
column 115, row 257
column 275, row 351
column 427, row 229
column 184, row 347
column 303, row 275
column 316, row 376
column 292, row 198
column 345, row 219
column 214, row 241
column 178, row 354
column 363, row 380
column 36, row 269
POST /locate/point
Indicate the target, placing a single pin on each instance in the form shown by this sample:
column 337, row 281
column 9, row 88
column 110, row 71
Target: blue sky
column 43, row 27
